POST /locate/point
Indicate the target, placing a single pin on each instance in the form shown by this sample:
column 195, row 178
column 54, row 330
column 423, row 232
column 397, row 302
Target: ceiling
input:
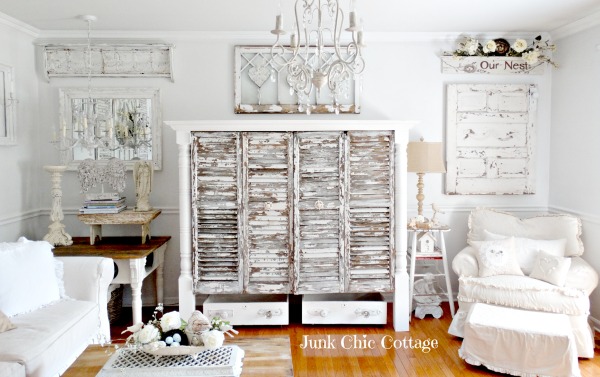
column 402, row 16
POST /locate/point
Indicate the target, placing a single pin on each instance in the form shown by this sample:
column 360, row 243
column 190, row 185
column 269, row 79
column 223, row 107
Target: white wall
column 20, row 164
column 403, row 80
column 574, row 175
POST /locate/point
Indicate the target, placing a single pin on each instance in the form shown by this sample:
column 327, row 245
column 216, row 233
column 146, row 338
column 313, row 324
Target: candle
column 359, row 39
column 293, row 41
column 352, row 19
column 278, row 22
column 85, row 124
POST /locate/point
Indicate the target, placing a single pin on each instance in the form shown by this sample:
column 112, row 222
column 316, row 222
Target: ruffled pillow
column 551, row 269
column 497, row 258
column 527, row 249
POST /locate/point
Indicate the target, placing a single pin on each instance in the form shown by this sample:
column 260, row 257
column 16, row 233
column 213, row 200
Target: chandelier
column 318, row 24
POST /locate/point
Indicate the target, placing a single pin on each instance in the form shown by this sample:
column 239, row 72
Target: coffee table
column 224, row 361
column 264, row 356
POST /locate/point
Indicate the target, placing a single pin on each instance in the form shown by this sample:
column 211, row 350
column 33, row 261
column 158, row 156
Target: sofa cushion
column 497, row 258
column 5, row 323
column 47, row 340
column 27, row 276
column 525, row 293
column 544, row 227
column 551, row 269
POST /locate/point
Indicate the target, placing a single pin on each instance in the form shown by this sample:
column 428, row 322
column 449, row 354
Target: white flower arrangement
column 169, row 330
column 532, row 53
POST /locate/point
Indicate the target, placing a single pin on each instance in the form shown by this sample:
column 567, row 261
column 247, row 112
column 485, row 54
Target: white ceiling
column 452, row 16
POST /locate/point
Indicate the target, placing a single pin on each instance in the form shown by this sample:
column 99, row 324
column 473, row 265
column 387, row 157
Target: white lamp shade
column 425, row 157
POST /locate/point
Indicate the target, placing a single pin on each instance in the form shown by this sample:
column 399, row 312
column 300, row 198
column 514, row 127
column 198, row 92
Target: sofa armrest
column 465, row 262
column 87, row 279
column 581, row 276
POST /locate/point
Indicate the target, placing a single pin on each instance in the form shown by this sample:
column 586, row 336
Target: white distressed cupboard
column 293, row 212
column 315, row 207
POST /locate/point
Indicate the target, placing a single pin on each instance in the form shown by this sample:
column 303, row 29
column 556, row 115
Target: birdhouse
column 425, row 243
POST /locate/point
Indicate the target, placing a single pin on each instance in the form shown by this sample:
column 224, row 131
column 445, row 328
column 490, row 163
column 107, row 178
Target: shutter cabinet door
column 370, row 211
column 216, row 182
column 267, row 208
column 318, row 212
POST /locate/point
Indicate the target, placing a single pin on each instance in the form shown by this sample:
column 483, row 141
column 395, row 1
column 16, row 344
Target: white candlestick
column 278, row 22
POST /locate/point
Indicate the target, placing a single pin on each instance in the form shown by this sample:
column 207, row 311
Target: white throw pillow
column 527, row 249
column 551, row 269
column 27, row 276
column 543, row 227
column 497, row 258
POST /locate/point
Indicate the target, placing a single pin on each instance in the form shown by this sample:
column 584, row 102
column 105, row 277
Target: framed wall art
column 7, row 106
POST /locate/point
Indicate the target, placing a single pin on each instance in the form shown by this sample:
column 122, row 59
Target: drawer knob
column 324, row 313
column 366, row 313
column 319, row 205
column 268, row 205
column 267, row 313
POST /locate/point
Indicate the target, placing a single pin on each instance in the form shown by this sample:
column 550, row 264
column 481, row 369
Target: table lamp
column 424, row 157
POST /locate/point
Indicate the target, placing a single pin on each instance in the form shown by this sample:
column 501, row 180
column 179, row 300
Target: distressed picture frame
column 490, row 146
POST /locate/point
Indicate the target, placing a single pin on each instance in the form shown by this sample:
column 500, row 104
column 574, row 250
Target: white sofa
column 52, row 324
column 521, row 287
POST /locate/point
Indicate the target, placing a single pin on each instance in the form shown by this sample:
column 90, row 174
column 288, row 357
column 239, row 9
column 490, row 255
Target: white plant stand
column 56, row 233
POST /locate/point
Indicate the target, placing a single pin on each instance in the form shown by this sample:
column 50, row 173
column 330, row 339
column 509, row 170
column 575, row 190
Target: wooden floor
column 367, row 356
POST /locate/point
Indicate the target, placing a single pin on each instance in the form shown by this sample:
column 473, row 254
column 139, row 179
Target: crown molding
column 19, row 25
column 578, row 26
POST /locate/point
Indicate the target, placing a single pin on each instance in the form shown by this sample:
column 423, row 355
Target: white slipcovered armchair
column 544, row 280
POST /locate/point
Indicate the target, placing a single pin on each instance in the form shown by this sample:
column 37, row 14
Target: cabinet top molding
column 290, row 125
column 109, row 60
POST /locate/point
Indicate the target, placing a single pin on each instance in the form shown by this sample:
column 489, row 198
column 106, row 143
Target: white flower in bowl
column 134, row 328
column 148, row 334
column 520, row 45
column 490, row 46
column 213, row 339
column 170, row 321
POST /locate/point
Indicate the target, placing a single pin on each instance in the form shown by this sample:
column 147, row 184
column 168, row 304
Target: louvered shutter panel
column 318, row 212
column 370, row 211
column 267, row 204
column 216, row 196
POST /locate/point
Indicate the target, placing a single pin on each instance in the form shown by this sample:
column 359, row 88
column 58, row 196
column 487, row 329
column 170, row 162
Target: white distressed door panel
column 490, row 139
column 216, row 188
column 267, row 159
column 318, row 213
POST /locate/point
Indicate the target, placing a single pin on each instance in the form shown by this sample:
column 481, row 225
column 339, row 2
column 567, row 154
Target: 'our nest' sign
column 490, row 64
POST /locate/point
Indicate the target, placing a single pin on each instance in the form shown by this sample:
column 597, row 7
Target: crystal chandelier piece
column 317, row 24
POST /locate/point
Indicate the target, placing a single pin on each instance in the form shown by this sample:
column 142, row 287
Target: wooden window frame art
column 8, row 103
column 261, row 86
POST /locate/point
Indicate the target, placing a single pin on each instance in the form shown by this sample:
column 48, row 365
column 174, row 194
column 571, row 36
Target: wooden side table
column 130, row 258
column 438, row 253
column 127, row 217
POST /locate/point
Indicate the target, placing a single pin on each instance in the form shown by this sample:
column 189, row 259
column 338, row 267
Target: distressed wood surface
column 505, row 65
column 304, row 212
column 126, row 217
column 216, row 186
column 491, row 143
column 267, row 163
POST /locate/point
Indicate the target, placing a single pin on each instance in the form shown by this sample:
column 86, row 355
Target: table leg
column 145, row 232
column 95, row 231
column 136, row 266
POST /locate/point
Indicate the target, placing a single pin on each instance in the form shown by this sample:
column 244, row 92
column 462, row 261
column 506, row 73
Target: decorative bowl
column 174, row 351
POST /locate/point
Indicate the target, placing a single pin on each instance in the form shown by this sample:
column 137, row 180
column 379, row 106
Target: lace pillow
column 497, row 258
column 527, row 249
column 551, row 269
column 5, row 323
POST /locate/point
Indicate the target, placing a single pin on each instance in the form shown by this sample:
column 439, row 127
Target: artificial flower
column 520, row 45
column 148, row 334
column 170, row 321
column 213, row 339
column 489, row 47
column 134, row 328
column 531, row 57
column 471, row 46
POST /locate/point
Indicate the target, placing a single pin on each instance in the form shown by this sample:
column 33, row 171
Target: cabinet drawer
column 242, row 310
column 344, row 309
